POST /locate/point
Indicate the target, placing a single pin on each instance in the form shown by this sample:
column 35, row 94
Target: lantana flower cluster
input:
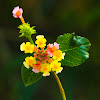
column 43, row 59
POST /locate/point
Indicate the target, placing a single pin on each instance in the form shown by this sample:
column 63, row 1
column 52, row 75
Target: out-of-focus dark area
column 51, row 18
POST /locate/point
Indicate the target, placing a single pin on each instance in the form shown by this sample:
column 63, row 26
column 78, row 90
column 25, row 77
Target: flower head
column 57, row 55
column 29, row 61
column 52, row 48
column 41, row 41
column 44, row 60
column 17, row 12
column 27, row 48
column 45, row 69
column 56, row 66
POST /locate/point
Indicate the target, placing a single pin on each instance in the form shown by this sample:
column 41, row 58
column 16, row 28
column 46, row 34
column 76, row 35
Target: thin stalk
column 30, row 39
column 60, row 85
column 22, row 20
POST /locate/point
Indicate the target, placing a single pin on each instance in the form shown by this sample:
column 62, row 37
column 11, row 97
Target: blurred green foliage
column 51, row 18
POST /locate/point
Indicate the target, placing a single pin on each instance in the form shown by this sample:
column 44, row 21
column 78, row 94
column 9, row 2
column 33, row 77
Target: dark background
column 51, row 18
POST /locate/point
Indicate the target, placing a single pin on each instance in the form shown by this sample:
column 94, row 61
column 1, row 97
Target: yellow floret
column 27, row 48
column 29, row 61
column 57, row 55
column 41, row 41
column 45, row 69
column 56, row 66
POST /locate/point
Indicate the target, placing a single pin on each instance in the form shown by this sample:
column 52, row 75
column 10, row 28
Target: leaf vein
column 74, row 57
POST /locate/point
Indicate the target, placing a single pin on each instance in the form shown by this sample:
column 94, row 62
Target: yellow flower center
column 40, row 43
column 53, row 49
column 27, row 47
column 30, row 61
column 55, row 67
column 45, row 68
column 58, row 54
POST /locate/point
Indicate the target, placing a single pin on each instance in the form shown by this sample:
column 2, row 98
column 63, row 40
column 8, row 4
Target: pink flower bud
column 17, row 12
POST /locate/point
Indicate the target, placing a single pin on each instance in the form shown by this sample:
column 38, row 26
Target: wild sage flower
column 42, row 61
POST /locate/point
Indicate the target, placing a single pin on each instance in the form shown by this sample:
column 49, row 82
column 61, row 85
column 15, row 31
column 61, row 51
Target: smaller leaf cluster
column 26, row 30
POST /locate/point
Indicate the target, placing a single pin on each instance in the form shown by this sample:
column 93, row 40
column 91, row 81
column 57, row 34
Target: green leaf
column 28, row 76
column 75, row 48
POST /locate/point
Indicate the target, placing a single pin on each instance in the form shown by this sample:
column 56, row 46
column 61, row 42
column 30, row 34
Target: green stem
column 60, row 85
column 30, row 39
